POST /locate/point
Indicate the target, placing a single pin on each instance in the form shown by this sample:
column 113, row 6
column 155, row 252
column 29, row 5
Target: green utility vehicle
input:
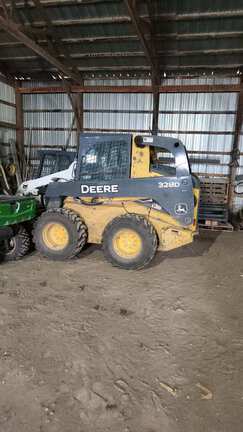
column 15, row 214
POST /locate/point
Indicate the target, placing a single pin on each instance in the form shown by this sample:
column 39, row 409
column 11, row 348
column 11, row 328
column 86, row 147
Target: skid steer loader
column 132, row 194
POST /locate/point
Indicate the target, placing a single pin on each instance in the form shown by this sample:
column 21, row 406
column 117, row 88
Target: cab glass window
column 105, row 160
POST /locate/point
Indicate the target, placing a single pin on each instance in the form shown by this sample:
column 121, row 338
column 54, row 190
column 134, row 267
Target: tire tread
column 23, row 245
column 82, row 232
column 139, row 221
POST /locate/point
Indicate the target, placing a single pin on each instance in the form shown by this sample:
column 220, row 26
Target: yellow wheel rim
column 127, row 243
column 55, row 236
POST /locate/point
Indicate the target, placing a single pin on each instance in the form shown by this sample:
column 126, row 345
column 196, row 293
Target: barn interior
column 85, row 346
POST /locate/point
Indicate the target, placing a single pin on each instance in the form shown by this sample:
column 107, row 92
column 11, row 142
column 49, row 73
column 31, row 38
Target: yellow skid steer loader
column 132, row 194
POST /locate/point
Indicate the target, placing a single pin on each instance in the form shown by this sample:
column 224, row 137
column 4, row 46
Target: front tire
column 60, row 234
column 129, row 242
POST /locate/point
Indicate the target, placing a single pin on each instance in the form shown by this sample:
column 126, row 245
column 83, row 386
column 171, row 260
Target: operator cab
column 107, row 157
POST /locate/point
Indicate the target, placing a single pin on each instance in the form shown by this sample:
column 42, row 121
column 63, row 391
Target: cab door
column 104, row 157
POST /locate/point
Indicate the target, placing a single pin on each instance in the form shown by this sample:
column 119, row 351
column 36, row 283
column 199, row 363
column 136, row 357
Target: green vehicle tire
column 18, row 246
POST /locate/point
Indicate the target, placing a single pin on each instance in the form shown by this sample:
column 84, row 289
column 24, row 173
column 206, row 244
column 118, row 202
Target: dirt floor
column 85, row 347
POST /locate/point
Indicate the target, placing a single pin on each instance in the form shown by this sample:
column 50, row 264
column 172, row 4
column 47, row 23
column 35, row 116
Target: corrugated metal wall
column 203, row 121
column 203, row 126
column 7, row 115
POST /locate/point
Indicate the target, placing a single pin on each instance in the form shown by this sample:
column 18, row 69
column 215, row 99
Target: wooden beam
column 156, row 78
column 22, row 4
column 52, row 42
column 13, row 29
column 155, row 118
column 20, row 129
column 200, row 88
column 3, row 102
column 162, row 131
column 80, row 110
column 169, row 17
column 109, row 53
column 54, row 46
column 147, row 43
column 7, row 125
column 4, row 8
column 173, row 37
column 129, row 111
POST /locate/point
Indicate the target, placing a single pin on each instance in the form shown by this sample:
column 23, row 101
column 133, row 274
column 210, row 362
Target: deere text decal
column 99, row 189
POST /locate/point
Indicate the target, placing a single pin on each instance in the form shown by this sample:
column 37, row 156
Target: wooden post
column 235, row 153
column 155, row 119
column 20, row 129
column 79, row 114
column 156, row 93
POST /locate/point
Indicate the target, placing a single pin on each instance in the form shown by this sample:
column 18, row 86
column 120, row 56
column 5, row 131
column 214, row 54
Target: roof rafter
column 54, row 44
column 47, row 3
column 13, row 29
column 74, row 40
column 146, row 43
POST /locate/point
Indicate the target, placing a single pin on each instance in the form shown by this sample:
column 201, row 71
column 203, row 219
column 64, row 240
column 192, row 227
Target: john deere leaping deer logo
column 181, row 208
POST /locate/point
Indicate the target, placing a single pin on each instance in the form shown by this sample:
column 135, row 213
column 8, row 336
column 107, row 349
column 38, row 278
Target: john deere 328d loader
column 132, row 194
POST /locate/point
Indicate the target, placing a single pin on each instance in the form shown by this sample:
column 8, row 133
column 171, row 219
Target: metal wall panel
column 201, row 120
column 40, row 139
column 40, row 120
column 7, row 93
column 118, row 82
column 46, row 101
column 8, row 115
column 134, row 112
column 118, row 120
column 48, row 120
column 197, row 122
column 118, row 101
column 210, row 80
column 115, row 121
column 44, row 138
column 5, row 136
column 135, row 119
column 198, row 101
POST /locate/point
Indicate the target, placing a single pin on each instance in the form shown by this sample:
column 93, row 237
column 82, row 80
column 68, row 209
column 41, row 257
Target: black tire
column 75, row 227
column 18, row 246
column 143, row 229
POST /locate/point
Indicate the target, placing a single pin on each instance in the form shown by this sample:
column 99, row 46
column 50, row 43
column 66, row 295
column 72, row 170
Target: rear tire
column 60, row 234
column 18, row 246
column 129, row 242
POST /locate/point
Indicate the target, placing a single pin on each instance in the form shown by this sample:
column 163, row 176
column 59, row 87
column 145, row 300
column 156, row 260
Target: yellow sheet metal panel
column 170, row 233
column 140, row 161
column 140, row 164
column 96, row 217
